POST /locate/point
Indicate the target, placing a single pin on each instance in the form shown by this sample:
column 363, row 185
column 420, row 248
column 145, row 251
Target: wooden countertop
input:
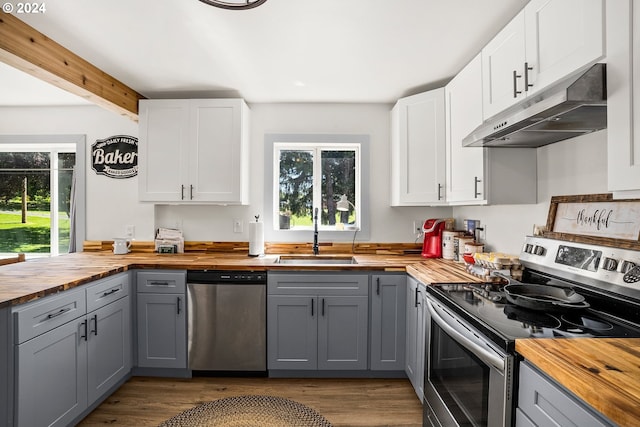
column 604, row 372
column 440, row 271
column 26, row 281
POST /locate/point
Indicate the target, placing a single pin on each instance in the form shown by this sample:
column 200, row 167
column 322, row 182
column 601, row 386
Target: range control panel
column 582, row 262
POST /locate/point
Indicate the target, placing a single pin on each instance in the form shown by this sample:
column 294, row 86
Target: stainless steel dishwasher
column 227, row 320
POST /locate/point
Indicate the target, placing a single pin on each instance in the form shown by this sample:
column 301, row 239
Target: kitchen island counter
column 603, row 372
column 26, row 281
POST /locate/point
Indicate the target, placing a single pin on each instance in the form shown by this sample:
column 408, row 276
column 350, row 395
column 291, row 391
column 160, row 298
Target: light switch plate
column 237, row 226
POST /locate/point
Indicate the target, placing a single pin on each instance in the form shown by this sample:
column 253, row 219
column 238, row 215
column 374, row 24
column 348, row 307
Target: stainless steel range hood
column 567, row 109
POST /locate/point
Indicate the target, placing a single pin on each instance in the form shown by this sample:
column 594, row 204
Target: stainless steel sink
column 315, row 260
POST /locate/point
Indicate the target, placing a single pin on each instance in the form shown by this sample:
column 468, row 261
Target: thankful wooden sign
column 595, row 217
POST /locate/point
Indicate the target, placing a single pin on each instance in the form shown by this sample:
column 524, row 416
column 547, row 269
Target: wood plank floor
column 144, row 401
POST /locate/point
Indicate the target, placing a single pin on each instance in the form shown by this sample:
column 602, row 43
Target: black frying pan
column 544, row 297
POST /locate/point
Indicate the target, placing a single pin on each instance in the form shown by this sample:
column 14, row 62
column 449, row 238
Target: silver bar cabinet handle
column 475, row 187
column 516, row 92
column 527, row 85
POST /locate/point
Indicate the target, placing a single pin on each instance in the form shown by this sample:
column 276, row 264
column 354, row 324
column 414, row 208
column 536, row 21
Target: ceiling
column 282, row 51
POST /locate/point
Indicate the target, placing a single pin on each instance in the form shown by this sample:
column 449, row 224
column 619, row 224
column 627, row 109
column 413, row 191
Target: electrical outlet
column 130, row 231
column 417, row 227
column 237, row 226
column 481, row 233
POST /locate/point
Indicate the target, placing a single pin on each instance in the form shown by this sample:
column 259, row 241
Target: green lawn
column 32, row 237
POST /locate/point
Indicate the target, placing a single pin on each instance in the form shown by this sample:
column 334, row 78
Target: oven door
column 468, row 381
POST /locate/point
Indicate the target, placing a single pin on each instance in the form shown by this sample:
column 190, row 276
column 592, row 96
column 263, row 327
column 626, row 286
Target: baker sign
column 115, row 157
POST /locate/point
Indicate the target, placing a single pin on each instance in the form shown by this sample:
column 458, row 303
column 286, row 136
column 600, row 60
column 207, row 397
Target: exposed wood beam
column 27, row 49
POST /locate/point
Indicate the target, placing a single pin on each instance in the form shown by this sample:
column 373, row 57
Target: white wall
column 111, row 203
column 575, row 166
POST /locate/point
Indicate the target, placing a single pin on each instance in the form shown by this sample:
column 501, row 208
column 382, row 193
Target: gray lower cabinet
column 317, row 321
column 415, row 335
column 109, row 347
column 51, row 377
column 161, row 319
column 542, row 402
column 70, row 350
column 388, row 321
column 292, row 332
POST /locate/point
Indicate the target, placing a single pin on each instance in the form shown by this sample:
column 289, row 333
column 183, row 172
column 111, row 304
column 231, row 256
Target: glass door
column 460, row 379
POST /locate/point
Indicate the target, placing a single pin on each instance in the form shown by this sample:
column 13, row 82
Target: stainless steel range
column 568, row 290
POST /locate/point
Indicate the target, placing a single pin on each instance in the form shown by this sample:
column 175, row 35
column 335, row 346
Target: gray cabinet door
column 388, row 321
column 109, row 347
column 412, row 330
column 416, row 329
column 292, row 335
column 421, row 342
column 51, row 377
column 342, row 332
column 162, row 331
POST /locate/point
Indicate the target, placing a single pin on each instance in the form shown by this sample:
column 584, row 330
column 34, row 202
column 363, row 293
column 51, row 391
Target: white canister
column 448, row 244
column 472, row 248
column 459, row 244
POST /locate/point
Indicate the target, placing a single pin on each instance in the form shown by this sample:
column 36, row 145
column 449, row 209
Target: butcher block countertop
column 604, row 372
column 440, row 271
column 25, row 281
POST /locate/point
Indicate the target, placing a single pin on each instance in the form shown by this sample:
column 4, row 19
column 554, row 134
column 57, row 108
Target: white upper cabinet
column 464, row 165
column 547, row 41
column 562, row 36
column 478, row 175
column 162, row 150
column 418, row 150
column 503, row 58
column 194, row 151
column 623, row 103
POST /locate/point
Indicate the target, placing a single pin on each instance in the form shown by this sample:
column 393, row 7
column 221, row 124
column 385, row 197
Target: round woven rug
column 246, row 411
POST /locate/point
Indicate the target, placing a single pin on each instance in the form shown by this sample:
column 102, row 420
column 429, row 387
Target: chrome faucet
column 316, row 249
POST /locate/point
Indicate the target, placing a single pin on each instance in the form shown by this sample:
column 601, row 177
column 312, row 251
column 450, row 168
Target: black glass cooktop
column 486, row 307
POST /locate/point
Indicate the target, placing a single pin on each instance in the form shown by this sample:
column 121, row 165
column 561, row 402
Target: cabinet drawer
column 315, row 284
column 106, row 291
column 546, row 403
column 37, row 317
column 161, row 282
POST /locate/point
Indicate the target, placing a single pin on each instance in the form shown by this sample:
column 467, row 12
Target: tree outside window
column 35, row 200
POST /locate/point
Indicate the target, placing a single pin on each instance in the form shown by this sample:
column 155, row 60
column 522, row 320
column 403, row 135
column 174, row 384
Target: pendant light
column 234, row 4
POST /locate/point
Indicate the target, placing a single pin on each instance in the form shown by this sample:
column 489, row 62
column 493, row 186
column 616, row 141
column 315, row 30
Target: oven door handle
column 466, row 337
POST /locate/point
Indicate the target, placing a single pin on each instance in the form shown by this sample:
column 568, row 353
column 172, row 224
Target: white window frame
column 317, row 150
column 54, row 144
column 271, row 192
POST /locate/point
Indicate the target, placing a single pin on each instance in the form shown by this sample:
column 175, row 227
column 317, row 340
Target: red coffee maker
column 432, row 245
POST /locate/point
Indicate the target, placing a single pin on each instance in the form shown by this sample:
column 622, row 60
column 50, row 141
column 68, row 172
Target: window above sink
column 333, row 224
